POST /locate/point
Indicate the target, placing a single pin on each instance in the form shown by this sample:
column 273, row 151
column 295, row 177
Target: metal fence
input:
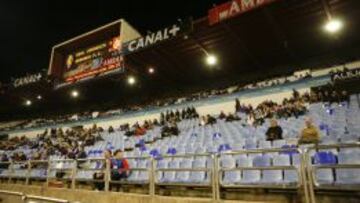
column 70, row 170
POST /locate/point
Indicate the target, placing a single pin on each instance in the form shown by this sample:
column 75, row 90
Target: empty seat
column 183, row 176
column 324, row 176
column 348, row 176
column 198, row 176
column 169, row 176
column 230, row 177
column 248, row 176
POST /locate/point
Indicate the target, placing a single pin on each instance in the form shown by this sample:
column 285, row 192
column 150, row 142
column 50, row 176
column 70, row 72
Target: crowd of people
column 84, row 116
column 293, row 107
column 67, row 144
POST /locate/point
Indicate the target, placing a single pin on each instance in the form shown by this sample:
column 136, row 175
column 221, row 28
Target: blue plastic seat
column 248, row 176
column 198, row 176
column 184, row 176
column 324, row 176
column 169, row 176
column 348, row 176
column 230, row 177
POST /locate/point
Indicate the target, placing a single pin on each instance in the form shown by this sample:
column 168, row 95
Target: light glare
column 211, row 60
column 74, row 93
column 131, row 80
column 28, row 103
column 333, row 26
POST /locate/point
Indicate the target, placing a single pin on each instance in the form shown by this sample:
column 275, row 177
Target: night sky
column 30, row 28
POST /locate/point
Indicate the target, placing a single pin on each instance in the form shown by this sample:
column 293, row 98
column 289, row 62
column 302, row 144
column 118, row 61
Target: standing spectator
column 237, row 105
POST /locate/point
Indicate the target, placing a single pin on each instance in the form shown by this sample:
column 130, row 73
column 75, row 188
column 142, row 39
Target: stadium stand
column 294, row 138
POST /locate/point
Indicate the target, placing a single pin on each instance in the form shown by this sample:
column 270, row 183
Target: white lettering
column 140, row 44
column 131, row 45
column 247, row 4
column 149, row 39
column 234, row 9
column 153, row 38
column 158, row 37
column 165, row 35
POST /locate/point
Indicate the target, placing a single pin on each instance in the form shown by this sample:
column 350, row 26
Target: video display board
column 93, row 60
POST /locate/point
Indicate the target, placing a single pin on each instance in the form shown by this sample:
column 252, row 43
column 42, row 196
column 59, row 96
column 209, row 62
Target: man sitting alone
column 274, row 132
column 310, row 134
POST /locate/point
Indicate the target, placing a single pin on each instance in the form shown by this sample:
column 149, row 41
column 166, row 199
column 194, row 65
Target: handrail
column 11, row 193
column 48, row 199
column 311, row 169
column 305, row 170
column 300, row 171
column 24, row 197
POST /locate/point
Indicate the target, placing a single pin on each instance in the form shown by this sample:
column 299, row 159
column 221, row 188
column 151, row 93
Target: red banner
column 234, row 8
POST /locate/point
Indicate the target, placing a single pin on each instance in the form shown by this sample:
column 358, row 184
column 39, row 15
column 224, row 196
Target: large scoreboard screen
column 91, row 55
column 93, row 60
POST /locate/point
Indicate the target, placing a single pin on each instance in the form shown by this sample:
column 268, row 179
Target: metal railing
column 25, row 198
column 300, row 171
column 305, row 172
column 311, row 169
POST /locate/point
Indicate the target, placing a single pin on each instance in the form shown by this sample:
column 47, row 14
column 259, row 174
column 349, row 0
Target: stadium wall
column 87, row 196
column 83, row 196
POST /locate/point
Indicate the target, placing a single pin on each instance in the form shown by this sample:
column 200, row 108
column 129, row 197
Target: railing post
column 73, row 174
column 48, row 173
column 215, row 178
column 308, row 171
column 107, row 175
column 152, row 176
column 11, row 169
column 27, row 180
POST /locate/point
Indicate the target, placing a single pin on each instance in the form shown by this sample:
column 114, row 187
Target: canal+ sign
column 151, row 39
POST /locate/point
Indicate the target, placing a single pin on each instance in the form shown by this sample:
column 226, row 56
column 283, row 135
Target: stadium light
column 39, row 97
column 28, row 102
column 74, row 94
column 151, row 70
column 131, row 80
column 333, row 26
column 211, row 60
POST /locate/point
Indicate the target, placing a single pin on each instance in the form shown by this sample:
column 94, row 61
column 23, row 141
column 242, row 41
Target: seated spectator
column 111, row 129
column 170, row 129
column 310, row 134
column 232, row 117
column 119, row 167
column 210, row 120
column 274, row 132
column 222, row 115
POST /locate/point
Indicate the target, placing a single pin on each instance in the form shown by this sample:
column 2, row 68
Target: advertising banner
column 234, row 8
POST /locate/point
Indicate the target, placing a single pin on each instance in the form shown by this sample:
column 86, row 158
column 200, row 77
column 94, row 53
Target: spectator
column 274, row 132
column 310, row 134
column 210, row 120
column 237, row 105
column 222, row 115
column 232, row 117
column 119, row 167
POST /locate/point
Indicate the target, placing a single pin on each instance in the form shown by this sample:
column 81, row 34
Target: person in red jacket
column 119, row 166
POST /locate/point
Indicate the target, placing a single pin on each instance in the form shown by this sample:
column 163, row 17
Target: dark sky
column 30, row 28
